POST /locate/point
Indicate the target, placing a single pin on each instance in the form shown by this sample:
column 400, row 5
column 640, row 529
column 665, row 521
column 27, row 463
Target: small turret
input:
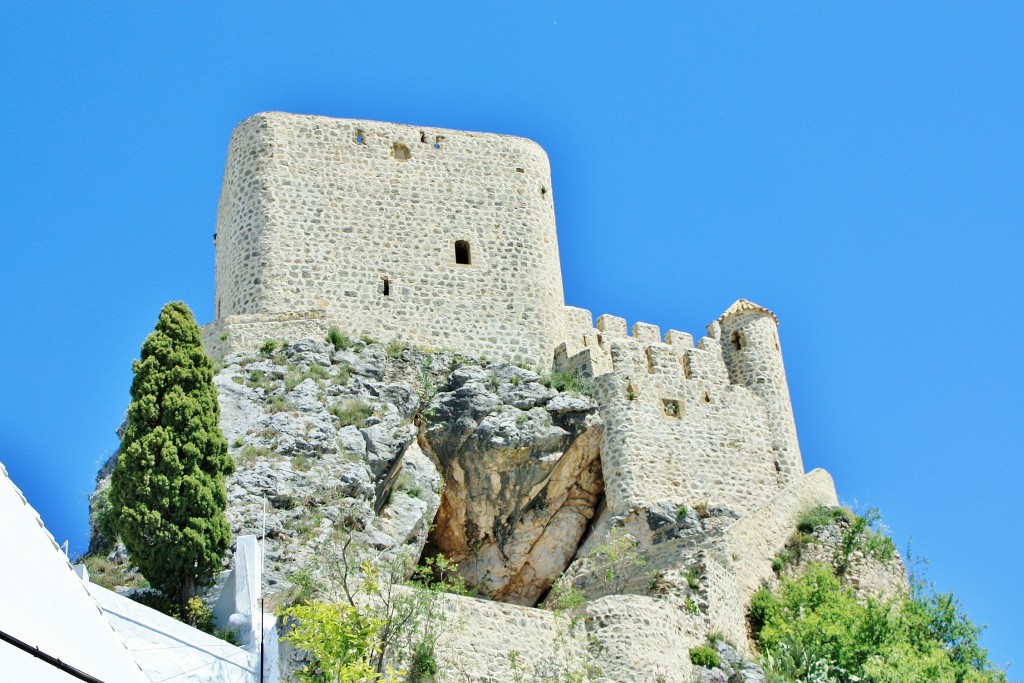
column 750, row 346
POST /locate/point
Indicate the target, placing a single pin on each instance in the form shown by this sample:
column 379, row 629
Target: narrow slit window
column 462, row 256
column 387, row 287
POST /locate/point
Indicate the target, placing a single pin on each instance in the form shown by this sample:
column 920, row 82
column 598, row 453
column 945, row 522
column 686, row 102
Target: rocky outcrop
column 522, row 472
column 862, row 558
column 357, row 441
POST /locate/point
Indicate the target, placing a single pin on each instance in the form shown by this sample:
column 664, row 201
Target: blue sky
column 857, row 167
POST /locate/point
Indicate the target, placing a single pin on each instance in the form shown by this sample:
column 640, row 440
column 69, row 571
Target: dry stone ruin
column 660, row 498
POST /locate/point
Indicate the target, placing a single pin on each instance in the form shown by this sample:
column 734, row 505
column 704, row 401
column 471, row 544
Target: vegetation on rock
column 358, row 619
column 167, row 493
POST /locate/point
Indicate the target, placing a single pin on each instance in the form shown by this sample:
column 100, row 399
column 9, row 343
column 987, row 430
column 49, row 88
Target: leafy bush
column 705, row 656
column 815, row 619
column 268, row 347
column 353, row 412
column 340, row 638
column 351, row 641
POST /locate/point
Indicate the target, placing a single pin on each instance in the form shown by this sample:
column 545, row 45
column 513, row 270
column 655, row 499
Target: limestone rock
column 523, row 478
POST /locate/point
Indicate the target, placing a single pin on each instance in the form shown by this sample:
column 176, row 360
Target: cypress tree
column 168, row 491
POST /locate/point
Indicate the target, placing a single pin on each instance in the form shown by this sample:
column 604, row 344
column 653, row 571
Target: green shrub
column 866, row 534
column 338, row 340
column 395, row 348
column 422, row 664
column 693, row 578
column 573, row 382
column 353, row 412
column 344, row 374
column 293, row 378
column 815, row 620
column 816, row 517
column 781, row 560
column 228, row 634
column 268, row 347
column 248, row 456
column 705, row 656
column 277, row 404
column 302, row 463
column 110, row 575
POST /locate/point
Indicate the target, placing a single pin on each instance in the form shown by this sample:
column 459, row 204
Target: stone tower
column 445, row 239
column 750, row 346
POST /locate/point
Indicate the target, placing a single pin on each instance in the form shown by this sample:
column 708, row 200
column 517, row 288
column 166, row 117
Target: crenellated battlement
column 709, row 423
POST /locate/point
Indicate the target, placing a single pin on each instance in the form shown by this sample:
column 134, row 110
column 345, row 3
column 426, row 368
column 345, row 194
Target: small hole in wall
column 737, row 340
column 399, row 151
column 462, row 252
column 684, row 360
column 631, row 392
column 543, row 190
column 520, row 170
column 650, row 362
column 360, row 137
column 386, row 289
column 423, row 136
column 672, row 408
column 707, row 397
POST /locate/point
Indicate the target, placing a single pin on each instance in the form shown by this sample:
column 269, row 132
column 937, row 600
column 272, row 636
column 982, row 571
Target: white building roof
column 44, row 604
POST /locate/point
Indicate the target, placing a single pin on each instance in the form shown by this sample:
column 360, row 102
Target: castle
column 446, row 240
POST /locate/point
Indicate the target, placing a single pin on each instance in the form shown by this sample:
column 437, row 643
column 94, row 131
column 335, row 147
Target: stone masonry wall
column 485, row 637
column 371, row 222
column 248, row 332
column 677, row 427
column 754, row 540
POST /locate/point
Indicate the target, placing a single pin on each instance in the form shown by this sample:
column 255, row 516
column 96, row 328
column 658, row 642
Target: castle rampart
column 710, row 424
